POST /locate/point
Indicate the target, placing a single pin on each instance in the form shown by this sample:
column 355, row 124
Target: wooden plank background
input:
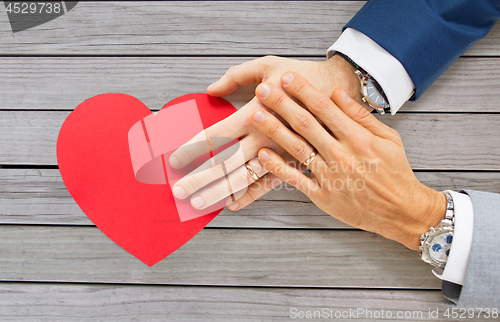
column 198, row 303
column 196, row 28
column 157, row 80
column 252, row 265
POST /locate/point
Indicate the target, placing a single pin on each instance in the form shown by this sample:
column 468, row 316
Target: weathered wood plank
column 38, row 196
column 64, row 83
column 71, row 302
column 253, row 257
column 195, row 27
column 432, row 141
column 32, row 83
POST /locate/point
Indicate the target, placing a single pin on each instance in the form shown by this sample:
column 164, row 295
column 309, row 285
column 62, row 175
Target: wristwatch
column 435, row 244
column 372, row 93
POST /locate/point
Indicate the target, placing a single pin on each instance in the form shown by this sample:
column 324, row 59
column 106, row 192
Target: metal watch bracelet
column 445, row 227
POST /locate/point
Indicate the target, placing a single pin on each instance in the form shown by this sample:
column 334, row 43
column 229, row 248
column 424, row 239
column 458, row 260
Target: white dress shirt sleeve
column 456, row 265
column 398, row 87
column 376, row 61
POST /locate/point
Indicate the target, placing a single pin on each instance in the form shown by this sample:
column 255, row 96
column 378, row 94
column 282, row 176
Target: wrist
column 341, row 74
column 428, row 209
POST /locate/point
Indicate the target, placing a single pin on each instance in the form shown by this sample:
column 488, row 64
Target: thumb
column 245, row 74
column 360, row 115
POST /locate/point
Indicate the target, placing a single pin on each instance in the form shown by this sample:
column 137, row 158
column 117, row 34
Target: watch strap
column 349, row 60
column 449, row 219
column 447, row 223
column 364, row 77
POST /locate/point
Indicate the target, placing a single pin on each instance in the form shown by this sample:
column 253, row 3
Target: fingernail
column 174, row 162
column 259, row 116
column 345, row 97
column 179, row 192
column 212, row 86
column 287, row 78
column 233, row 206
column 263, row 156
column 263, row 90
column 197, row 202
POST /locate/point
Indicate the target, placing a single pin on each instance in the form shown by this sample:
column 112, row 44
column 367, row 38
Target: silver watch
column 435, row 244
column 371, row 92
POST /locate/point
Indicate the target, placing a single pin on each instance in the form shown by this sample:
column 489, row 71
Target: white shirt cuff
column 456, row 265
column 376, row 61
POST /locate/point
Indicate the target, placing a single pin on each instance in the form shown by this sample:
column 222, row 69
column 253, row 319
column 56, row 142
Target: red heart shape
column 94, row 161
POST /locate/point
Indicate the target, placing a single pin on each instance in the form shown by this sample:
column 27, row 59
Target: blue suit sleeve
column 426, row 36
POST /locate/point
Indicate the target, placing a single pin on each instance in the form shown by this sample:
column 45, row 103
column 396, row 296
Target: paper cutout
column 151, row 143
column 95, row 164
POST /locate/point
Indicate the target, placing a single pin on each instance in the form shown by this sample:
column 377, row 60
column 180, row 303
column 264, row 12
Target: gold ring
column 310, row 159
column 251, row 172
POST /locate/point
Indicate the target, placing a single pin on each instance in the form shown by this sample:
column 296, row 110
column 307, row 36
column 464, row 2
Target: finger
column 257, row 189
column 220, row 165
column 293, row 143
column 320, row 105
column 235, row 181
column 299, row 119
column 207, row 140
column 277, row 166
column 360, row 115
column 248, row 73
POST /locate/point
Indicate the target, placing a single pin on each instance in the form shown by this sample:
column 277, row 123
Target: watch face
column 439, row 248
column 375, row 93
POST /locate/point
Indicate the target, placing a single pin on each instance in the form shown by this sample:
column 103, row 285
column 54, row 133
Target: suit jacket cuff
column 426, row 36
column 376, row 61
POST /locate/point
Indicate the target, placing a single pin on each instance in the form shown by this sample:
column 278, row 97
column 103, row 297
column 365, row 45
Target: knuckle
column 334, row 151
column 293, row 181
column 275, row 129
column 266, row 62
column 251, row 196
column 341, row 161
column 278, row 168
column 363, row 141
column 213, row 195
column 299, row 149
column 320, row 103
column 396, row 134
column 184, row 154
column 301, row 88
column 211, row 133
column 303, row 122
column 269, row 184
column 242, row 178
column 192, row 183
column 362, row 114
column 218, row 159
column 264, row 141
column 279, row 102
column 231, row 70
column 226, row 165
column 269, row 59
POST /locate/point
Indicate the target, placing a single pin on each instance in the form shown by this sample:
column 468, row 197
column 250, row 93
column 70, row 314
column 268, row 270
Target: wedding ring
column 251, row 172
column 310, row 159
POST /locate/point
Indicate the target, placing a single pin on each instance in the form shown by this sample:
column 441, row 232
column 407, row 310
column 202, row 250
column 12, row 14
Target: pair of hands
column 205, row 188
column 360, row 175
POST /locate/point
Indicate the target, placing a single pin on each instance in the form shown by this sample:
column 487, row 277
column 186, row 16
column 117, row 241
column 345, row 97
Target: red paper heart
column 94, row 161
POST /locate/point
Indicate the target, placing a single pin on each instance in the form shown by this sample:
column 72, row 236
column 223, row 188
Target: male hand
column 360, row 174
column 208, row 187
